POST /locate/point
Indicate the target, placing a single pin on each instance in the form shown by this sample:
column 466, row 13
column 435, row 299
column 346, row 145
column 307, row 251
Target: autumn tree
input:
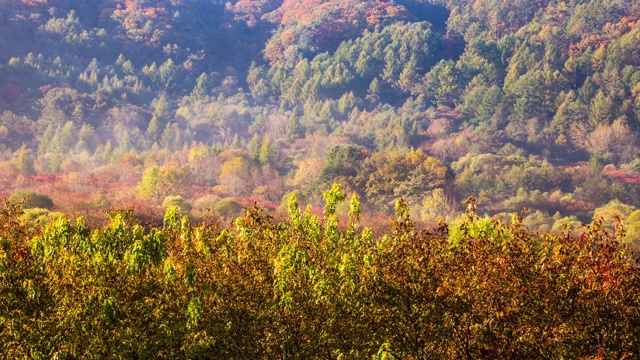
column 159, row 182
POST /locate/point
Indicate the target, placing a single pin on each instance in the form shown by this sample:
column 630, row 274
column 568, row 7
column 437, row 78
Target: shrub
column 177, row 201
column 227, row 208
column 33, row 199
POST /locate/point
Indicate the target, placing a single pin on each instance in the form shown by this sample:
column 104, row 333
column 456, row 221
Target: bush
column 227, row 208
column 612, row 212
column 33, row 199
column 203, row 206
column 177, row 201
column 538, row 220
column 632, row 226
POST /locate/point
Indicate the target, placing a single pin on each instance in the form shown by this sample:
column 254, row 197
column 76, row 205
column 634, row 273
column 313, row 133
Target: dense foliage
column 135, row 103
column 311, row 287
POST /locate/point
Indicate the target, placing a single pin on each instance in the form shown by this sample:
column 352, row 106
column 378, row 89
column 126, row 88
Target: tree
column 267, row 155
column 391, row 175
column 481, row 102
column 254, row 147
column 613, row 212
column 235, row 176
column 319, row 284
column 571, row 111
column 342, row 160
column 437, row 203
column 32, row 199
column 153, row 129
column 613, row 143
column 601, row 111
column 160, row 182
column 201, row 90
column 87, row 138
column 178, row 202
column 294, row 129
column 441, row 83
column 169, row 135
column 374, row 92
column 161, row 107
column 23, row 160
column 227, row 208
column 632, row 226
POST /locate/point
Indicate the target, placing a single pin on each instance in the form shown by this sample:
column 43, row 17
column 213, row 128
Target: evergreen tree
column 153, row 128
column 167, row 72
column 167, row 140
column 254, row 147
column 601, row 110
column 266, row 152
column 294, row 129
column 201, row 90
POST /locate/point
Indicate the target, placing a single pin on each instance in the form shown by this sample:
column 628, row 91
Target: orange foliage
column 611, row 32
column 251, row 10
column 329, row 22
column 135, row 18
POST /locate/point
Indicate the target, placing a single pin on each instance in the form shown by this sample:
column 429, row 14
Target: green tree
column 343, row 160
column 169, row 135
column 254, row 147
column 632, row 226
column 177, row 201
column 32, row 199
column 23, row 160
column 201, row 90
column 294, row 129
column 167, row 72
column 441, row 83
column 160, row 182
column 601, row 110
column 267, row 155
column 227, row 208
column 161, row 107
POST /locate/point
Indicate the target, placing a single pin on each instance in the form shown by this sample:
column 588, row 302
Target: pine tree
column 168, row 137
column 294, row 129
column 167, row 73
column 46, row 141
column 253, row 148
column 266, row 153
column 601, row 110
column 374, row 91
column 153, row 128
column 200, row 91
column 161, row 107
column 235, row 143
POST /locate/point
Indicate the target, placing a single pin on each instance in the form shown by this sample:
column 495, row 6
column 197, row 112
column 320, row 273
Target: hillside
column 110, row 103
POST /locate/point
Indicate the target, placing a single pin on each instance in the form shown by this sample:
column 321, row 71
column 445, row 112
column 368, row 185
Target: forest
column 214, row 106
column 175, row 176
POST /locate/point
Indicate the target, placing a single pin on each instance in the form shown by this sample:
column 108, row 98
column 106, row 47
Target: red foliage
column 45, row 88
column 49, row 179
column 147, row 211
column 620, row 175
